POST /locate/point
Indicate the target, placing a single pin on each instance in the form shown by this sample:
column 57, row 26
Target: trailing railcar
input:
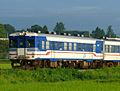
column 31, row 50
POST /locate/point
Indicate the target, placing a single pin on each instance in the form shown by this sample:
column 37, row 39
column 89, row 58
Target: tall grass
column 55, row 75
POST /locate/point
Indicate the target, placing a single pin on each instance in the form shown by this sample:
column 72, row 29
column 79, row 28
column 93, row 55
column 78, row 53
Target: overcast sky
column 76, row 14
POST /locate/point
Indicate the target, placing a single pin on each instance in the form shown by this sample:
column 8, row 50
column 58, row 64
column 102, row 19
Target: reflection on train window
column 13, row 43
column 30, row 43
column 21, row 43
column 60, row 46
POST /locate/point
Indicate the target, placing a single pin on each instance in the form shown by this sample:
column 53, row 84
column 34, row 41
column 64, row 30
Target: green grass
column 64, row 79
column 5, row 61
column 62, row 86
column 5, row 66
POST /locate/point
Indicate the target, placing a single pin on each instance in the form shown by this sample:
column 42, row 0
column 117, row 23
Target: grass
column 107, row 79
column 62, row 86
column 5, row 64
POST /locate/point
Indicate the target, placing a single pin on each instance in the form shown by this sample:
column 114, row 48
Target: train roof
column 68, row 36
column 51, row 35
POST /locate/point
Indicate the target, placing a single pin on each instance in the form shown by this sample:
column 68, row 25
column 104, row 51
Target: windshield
column 22, row 42
column 30, row 43
column 13, row 43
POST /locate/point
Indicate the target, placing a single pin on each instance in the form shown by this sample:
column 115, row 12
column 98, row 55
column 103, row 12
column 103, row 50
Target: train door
column 99, row 46
column 52, row 48
column 21, row 47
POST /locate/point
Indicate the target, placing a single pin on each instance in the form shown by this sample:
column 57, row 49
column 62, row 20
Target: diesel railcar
column 32, row 50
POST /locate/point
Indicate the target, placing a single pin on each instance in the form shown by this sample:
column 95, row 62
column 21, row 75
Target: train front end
column 21, row 48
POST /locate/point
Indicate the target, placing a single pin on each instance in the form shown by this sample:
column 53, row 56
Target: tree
column 9, row 28
column 110, row 33
column 45, row 29
column 98, row 33
column 36, row 28
column 59, row 28
column 2, row 31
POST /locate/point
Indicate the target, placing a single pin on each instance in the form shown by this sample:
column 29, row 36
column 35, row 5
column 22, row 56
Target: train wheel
column 110, row 64
column 71, row 64
column 12, row 64
column 84, row 65
column 59, row 63
column 53, row 64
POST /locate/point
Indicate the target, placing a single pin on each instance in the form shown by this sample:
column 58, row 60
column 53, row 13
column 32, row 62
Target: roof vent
column 69, row 34
column 39, row 31
column 78, row 34
column 64, row 33
column 54, row 33
column 82, row 35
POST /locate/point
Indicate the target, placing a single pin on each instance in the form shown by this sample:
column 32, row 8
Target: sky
column 75, row 14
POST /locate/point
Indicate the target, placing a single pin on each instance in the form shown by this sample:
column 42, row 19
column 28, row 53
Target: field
column 65, row 79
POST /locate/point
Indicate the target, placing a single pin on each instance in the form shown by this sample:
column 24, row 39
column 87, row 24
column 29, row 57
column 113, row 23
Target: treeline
column 6, row 29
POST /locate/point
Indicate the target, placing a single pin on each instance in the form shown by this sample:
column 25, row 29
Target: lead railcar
column 31, row 50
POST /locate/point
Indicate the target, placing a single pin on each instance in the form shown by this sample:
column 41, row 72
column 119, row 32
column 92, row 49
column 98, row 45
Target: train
column 28, row 50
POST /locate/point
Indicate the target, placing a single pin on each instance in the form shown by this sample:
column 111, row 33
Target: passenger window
column 47, row 45
column 75, row 47
column 106, row 48
column 70, row 46
column 80, row 47
column 60, row 46
column 94, row 48
column 91, row 47
column 43, row 45
column 65, row 46
column 52, row 45
column 56, row 45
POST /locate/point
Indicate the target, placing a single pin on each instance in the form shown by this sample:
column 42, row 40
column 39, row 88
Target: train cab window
column 30, row 43
column 22, row 43
column 13, row 43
